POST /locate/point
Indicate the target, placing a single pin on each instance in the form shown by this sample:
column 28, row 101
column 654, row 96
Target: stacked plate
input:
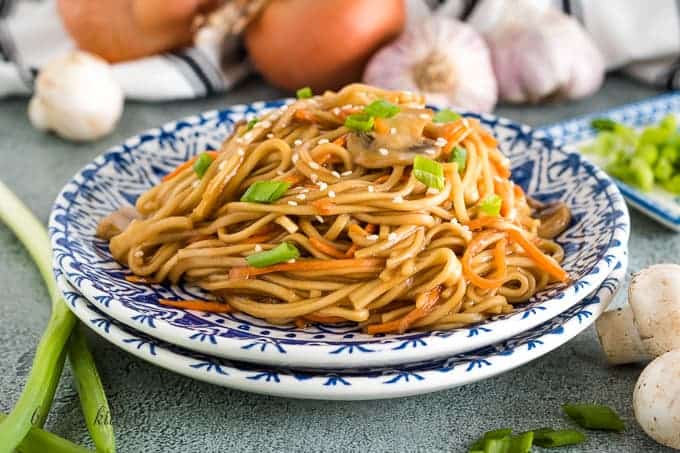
column 329, row 362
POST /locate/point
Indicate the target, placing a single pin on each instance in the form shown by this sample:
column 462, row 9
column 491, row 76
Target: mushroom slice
column 116, row 222
column 555, row 218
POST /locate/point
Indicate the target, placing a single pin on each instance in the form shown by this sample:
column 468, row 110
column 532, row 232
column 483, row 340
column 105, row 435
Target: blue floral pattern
column 594, row 243
column 359, row 383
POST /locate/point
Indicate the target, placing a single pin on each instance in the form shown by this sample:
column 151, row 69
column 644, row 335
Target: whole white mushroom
column 650, row 324
column 656, row 399
column 77, row 97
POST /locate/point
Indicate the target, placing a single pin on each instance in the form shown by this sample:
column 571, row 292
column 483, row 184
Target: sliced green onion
column 429, row 172
column 381, row 109
column 495, row 434
column 521, row 443
column 360, row 122
column 251, row 124
column 304, row 93
column 445, row 116
column 663, row 170
column 673, row 185
column 459, row 156
column 202, row 164
column 550, row 438
column 603, row 124
column 280, row 254
column 491, row 205
column 265, row 191
column 648, row 152
column 642, row 174
column 669, row 122
column 594, row 416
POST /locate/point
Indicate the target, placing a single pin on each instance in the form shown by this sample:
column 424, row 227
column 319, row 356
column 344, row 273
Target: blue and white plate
column 658, row 204
column 594, row 243
column 353, row 384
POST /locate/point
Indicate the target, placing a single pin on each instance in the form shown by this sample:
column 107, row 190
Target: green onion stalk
column 36, row 399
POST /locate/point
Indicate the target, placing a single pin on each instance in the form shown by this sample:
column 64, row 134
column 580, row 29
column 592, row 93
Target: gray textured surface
column 156, row 410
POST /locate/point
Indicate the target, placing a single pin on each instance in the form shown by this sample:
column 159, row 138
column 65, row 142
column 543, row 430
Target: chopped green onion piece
column 550, row 438
column 495, row 434
column 521, row 443
column 459, row 156
column 663, row 170
column 648, row 152
column 381, row 109
column 251, row 124
column 673, row 185
column 497, row 445
column 202, row 164
column 265, row 191
column 603, row 124
column 594, row 416
column 669, row 122
column 304, row 93
column 360, row 122
column 429, row 172
column 655, row 135
column 279, row 254
column 445, row 116
column 491, row 205
column 642, row 174
column 670, row 153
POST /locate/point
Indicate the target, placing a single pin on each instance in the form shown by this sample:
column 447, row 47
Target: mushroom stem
column 619, row 337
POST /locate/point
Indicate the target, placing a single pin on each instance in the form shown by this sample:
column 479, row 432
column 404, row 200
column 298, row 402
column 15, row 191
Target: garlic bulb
column 541, row 53
column 442, row 58
column 77, row 97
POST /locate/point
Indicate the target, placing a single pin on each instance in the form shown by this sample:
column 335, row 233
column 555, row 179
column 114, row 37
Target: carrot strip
column 476, row 245
column 368, row 264
column 325, row 248
column 370, row 228
column 401, row 325
column 499, row 258
column 545, row 262
column 138, row 279
column 294, row 179
column 340, row 141
column 183, row 166
column 504, row 190
column 350, row 251
column 201, row 305
column 301, row 323
column 324, row 206
column 380, row 126
column 260, row 238
column 304, row 115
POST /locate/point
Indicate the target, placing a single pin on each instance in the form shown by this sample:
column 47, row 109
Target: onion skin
column 320, row 44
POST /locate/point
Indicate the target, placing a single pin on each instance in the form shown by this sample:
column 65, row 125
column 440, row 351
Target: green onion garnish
column 521, row 443
column 381, row 109
column 459, row 156
column 429, row 172
column 491, row 205
column 279, row 254
column 360, row 122
column 445, row 116
column 550, row 438
column 304, row 93
column 594, row 416
column 265, row 191
column 603, row 124
column 202, row 164
column 496, row 434
column 502, row 441
column 251, row 124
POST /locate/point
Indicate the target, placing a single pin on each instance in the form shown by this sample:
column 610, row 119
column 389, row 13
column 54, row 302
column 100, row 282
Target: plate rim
column 332, row 385
column 230, row 347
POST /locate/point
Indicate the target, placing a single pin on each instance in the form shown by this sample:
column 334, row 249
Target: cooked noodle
column 378, row 247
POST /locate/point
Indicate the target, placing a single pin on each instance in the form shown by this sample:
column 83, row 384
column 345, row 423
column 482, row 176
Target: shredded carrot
column 381, row 179
column 325, row 248
column 429, row 300
column 304, row 115
column 545, row 262
column 138, row 279
column 500, row 163
column 324, row 319
column 476, row 245
column 340, row 141
column 504, row 190
column 484, row 134
column 499, row 258
column 183, row 166
column 380, row 126
column 260, row 238
column 356, row 229
column 370, row 228
column 294, row 179
column 200, row 305
column 301, row 323
column 363, row 265
column 350, row 251
column 324, row 206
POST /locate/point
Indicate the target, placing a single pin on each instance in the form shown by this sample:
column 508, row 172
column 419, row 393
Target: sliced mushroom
column 555, row 218
column 116, row 222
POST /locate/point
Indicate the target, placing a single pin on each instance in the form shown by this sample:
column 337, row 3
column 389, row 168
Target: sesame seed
column 270, row 135
column 291, row 261
column 336, row 111
column 392, row 237
column 319, row 218
column 430, row 151
column 323, row 141
column 371, row 189
column 398, row 199
column 432, row 191
column 346, row 173
column 424, row 116
column 196, row 184
column 335, row 173
column 258, row 248
column 441, row 141
column 241, row 152
column 297, row 142
column 305, row 190
column 323, row 186
column 314, row 166
column 465, row 122
column 393, row 130
column 264, row 124
column 295, row 157
column 372, row 237
column 292, row 203
column 331, row 194
column 301, row 196
column 383, row 151
column 314, row 177
column 222, row 166
column 280, row 172
column 139, row 253
column 454, row 221
column 248, row 136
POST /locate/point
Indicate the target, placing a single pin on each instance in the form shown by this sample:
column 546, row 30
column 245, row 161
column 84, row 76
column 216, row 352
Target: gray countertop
column 157, row 410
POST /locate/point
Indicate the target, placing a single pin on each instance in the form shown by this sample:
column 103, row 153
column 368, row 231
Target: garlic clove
column 77, row 97
column 442, row 58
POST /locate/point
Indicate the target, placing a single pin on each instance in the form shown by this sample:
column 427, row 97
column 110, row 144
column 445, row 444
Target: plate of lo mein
column 355, row 228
